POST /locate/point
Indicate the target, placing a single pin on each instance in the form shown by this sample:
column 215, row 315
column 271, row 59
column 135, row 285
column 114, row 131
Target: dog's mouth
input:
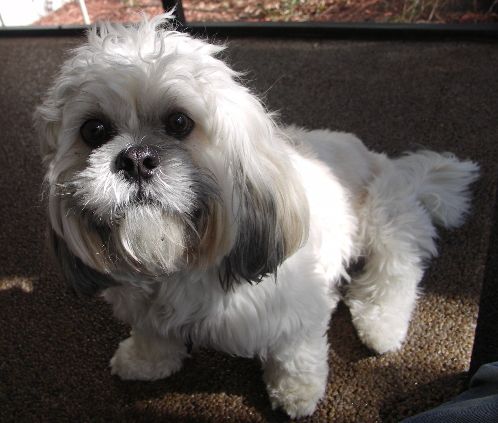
column 141, row 197
column 140, row 200
column 108, row 201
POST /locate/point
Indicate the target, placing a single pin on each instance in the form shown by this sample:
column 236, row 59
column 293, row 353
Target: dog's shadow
column 211, row 387
column 225, row 383
column 59, row 369
column 406, row 403
column 56, row 367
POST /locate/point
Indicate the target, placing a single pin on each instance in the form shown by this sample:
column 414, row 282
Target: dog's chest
column 241, row 322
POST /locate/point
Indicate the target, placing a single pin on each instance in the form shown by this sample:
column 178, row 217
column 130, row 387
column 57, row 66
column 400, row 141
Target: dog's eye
column 179, row 125
column 95, row 132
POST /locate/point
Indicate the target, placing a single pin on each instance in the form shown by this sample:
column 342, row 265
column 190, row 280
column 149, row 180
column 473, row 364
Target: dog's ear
column 270, row 207
column 270, row 228
column 47, row 120
column 82, row 278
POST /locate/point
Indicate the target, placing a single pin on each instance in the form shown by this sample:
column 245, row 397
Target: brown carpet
column 54, row 348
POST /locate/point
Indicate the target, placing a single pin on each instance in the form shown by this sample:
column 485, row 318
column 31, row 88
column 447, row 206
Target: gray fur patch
column 82, row 279
column 260, row 247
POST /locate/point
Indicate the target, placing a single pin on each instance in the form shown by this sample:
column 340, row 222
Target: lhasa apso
column 173, row 192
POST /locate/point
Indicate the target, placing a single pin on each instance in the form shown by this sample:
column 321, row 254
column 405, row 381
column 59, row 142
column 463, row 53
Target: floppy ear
column 270, row 228
column 47, row 119
column 81, row 278
column 269, row 204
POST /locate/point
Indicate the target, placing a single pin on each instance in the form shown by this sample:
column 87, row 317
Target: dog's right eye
column 95, row 132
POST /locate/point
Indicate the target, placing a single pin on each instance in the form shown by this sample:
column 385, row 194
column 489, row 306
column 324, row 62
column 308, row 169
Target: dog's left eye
column 95, row 132
column 179, row 125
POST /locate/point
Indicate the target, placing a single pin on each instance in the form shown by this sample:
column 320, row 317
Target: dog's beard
column 151, row 237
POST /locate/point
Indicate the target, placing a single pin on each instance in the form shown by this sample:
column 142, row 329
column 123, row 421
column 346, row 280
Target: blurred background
column 67, row 12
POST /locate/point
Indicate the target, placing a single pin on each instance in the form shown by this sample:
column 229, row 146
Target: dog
column 173, row 193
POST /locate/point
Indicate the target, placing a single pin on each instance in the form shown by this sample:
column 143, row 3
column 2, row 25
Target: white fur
column 333, row 202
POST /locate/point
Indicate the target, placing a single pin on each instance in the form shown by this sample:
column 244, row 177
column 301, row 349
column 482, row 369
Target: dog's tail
column 442, row 184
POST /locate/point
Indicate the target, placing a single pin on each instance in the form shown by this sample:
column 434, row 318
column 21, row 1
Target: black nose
column 138, row 161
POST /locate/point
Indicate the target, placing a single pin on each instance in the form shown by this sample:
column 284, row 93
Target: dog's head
column 159, row 161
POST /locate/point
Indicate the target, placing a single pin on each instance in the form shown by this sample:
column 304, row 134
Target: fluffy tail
column 442, row 184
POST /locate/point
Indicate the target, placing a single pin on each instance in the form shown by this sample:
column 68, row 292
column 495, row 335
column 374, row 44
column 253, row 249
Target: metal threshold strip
column 318, row 30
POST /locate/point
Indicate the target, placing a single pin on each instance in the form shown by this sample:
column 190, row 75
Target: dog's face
column 160, row 161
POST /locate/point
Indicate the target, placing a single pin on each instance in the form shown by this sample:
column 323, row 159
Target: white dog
column 173, row 192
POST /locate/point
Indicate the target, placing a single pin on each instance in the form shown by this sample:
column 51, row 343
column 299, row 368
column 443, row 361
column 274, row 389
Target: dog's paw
column 129, row 364
column 380, row 331
column 296, row 396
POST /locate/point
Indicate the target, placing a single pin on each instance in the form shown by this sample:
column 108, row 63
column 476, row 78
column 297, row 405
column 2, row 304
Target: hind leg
column 382, row 298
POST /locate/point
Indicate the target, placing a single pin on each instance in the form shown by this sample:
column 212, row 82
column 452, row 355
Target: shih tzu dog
column 173, row 193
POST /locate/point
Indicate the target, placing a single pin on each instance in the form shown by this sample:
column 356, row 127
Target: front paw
column 297, row 396
column 133, row 363
column 379, row 330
